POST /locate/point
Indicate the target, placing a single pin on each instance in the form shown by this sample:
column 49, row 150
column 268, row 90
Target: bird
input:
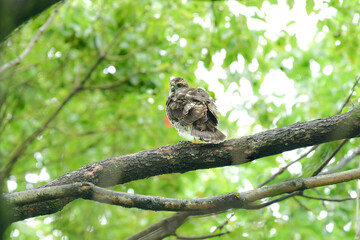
column 192, row 111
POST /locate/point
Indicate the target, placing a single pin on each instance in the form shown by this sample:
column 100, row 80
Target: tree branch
column 327, row 199
column 343, row 162
column 23, row 201
column 281, row 170
column 351, row 93
column 319, row 169
column 27, row 50
column 121, row 81
column 202, row 237
column 22, row 147
column 13, row 13
column 268, row 203
column 164, row 228
column 186, row 156
column 302, row 205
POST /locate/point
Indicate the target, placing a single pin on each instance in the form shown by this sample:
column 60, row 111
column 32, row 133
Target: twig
column 126, row 56
column 357, row 227
column 32, row 42
column 281, row 170
column 343, row 162
column 165, row 227
column 4, row 124
column 317, row 171
column 301, row 204
column 321, row 195
column 22, row 147
column 119, row 82
column 268, row 203
column 350, row 95
column 87, row 133
column 327, row 199
column 202, row 237
column 220, row 227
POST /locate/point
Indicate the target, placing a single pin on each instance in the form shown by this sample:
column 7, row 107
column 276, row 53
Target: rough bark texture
column 186, row 156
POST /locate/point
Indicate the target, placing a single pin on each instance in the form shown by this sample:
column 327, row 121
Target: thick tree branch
column 186, row 156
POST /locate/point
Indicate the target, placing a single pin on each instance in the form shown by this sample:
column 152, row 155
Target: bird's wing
column 202, row 96
column 185, row 107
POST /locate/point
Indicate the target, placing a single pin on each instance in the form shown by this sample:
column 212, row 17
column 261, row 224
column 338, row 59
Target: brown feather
column 193, row 110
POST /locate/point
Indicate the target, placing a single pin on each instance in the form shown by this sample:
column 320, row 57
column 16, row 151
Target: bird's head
column 178, row 83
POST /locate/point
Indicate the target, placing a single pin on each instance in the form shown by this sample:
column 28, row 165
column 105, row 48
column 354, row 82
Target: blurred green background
column 267, row 64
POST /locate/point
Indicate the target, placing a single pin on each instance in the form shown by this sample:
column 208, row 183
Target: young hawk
column 192, row 111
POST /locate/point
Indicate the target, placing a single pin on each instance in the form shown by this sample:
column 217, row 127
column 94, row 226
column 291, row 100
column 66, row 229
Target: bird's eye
column 180, row 85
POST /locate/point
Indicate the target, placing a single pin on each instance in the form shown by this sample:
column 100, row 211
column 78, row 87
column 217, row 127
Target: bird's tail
column 215, row 136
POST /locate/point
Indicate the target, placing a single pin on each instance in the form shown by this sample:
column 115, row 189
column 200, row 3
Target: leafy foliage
column 226, row 47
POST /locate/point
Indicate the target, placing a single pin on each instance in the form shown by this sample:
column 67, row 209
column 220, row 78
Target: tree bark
column 183, row 157
column 20, row 201
column 187, row 156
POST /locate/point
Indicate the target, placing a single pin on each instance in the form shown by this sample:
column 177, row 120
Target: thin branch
column 14, row 105
column 87, row 133
column 281, row 170
column 327, row 199
column 22, row 147
column 357, row 226
column 121, row 81
column 164, row 228
column 221, row 226
column 202, row 237
column 21, row 201
column 268, row 203
column 300, row 184
column 350, row 95
column 343, row 162
column 126, row 56
column 301, row 204
column 321, row 195
column 317, row 171
column 31, row 44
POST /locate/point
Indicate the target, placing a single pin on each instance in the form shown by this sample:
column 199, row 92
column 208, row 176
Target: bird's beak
column 172, row 88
